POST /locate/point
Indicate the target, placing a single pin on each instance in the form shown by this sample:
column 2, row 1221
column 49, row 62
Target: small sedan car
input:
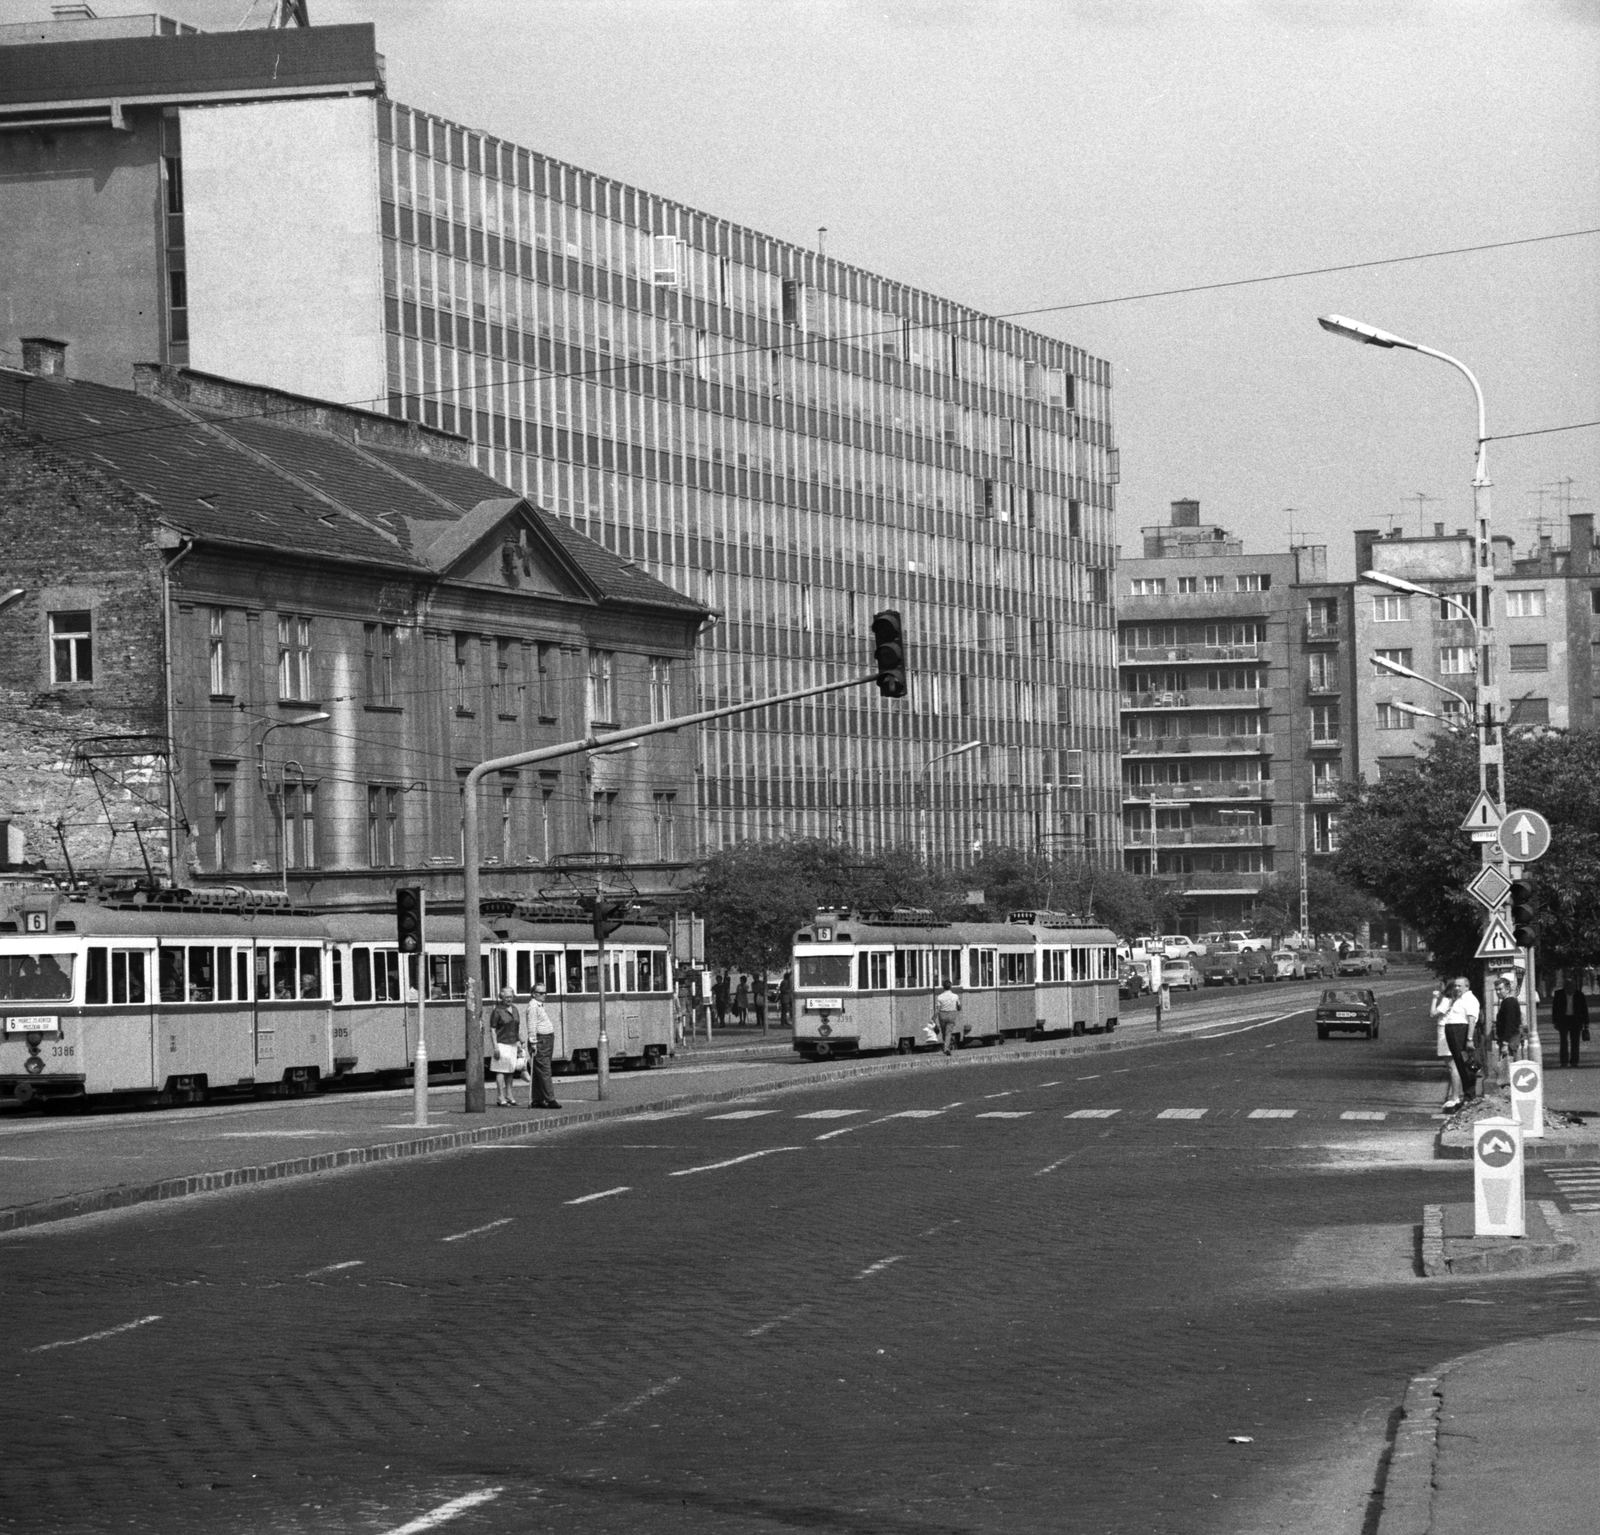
column 1353, row 1008
column 1177, row 946
column 1287, row 965
column 1361, row 961
column 1180, row 975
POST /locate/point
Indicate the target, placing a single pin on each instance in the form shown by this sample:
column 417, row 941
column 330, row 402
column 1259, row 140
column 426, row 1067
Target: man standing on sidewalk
column 947, row 1016
column 1569, row 1012
column 542, row 1032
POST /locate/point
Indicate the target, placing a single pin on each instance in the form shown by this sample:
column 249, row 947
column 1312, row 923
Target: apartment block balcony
column 1325, row 743
column 1200, row 836
column 1205, row 789
column 1327, row 790
column 1319, row 633
column 1201, row 698
column 1145, row 655
column 1204, row 882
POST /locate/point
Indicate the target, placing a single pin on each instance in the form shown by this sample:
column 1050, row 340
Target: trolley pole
column 419, row 1070
column 475, row 1103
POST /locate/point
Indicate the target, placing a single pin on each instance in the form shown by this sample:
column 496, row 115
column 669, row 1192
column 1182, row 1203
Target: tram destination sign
column 32, row 1023
column 824, row 1004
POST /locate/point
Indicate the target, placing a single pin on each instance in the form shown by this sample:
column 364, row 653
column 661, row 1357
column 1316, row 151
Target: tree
column 1335, row 906
column 1400, row 840
column 756, row 895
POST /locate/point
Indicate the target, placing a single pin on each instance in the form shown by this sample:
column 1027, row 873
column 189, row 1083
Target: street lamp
column 927, row 768
column 1405, row 671
column 283, row 807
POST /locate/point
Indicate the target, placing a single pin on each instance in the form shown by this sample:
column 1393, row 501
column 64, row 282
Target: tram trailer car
column 163, row 1002
column 562, row 956
column 1075, row 971
column 867, row 983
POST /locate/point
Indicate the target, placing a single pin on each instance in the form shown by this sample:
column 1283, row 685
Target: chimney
column 1580, row 541
column 1438, row 530
column 44, row 357
column 1364, row 541
column 1186, row 514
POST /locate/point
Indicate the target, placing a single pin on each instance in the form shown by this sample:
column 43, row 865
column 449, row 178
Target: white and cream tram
column 1075, row 966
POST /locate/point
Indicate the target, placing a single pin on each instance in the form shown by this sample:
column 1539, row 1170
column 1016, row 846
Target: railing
column 1325, row 743
column 1200, row 698
column 1327, row 791
column 1216, row 788
column 1135, row 654
column 1204, row 879
column 1200, row 836
column 1317, row 629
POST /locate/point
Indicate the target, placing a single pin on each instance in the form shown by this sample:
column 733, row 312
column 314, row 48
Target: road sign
column 1525, row 835
column 1491, row 835
column 1497, row 1178
column 1497, row 941
column 1484, row 815
column 1489, row 888
column 1527, row 1098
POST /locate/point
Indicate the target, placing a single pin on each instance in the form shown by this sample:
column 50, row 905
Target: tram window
column 386, row 974
column 659, row 972
column 524, row 981
column 947, row 967
column 981, row 968
column 41, row 977
column 361, row 975
column 1108, row 964
column 447, row 977
column 814, row 970
column 310, row 972
column 241, row 974
column 169, row 977
column 1080, row 964
column 873, row 971
column 1016, row 969
column 202, row 973
column 910, row 969
column 338, row 975
column 631, row 970
column 115, row 977
column 591, row 970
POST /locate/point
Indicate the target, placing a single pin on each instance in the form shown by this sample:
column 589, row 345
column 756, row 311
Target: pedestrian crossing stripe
column 1181, row 1114
column 917, row 1114
column 743, row 1114
column 830, row 1113
column 1363, row 1114
column 1004, row 1114
column 1093, row 1113
column 1273, row 1113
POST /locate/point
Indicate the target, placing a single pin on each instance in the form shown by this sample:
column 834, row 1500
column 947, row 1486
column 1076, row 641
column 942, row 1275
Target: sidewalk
column 1503, row 1440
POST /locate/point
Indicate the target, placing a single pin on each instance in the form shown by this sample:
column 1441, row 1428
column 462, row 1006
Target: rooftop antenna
column 1422, row 500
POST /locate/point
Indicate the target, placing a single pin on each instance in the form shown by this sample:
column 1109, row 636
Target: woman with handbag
column 510, row 1047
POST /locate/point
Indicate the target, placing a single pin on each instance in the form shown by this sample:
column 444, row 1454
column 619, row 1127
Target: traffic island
column 1567, row 1137
column 1449, row 1246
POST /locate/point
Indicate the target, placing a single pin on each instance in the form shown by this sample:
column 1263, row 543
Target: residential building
column 789, row 439
column 1236, row 680
column 258, row 639
column 1547, row 637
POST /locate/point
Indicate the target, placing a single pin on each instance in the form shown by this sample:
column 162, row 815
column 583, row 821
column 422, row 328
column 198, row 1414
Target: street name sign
column 1489, row 888
column 1497, row 941
column 1525, row 836
column 1492, row 835
column 1497, row 1178
column 1484, row 815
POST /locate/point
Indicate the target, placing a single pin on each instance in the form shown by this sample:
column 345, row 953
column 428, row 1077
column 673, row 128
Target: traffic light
column 1524, row 914
column 408, row 905
column 889, row 653
column 608, row 917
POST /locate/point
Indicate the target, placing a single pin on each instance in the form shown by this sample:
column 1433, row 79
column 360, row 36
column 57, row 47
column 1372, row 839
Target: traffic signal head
column 889, row 653
column 608, row 917
column 1524, row 914
column 408, row 918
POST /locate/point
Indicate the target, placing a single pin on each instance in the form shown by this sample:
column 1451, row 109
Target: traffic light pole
column 475, row 1103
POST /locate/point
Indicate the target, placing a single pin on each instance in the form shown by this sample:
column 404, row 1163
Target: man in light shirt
column 1456, row 1013
column 542, row 1032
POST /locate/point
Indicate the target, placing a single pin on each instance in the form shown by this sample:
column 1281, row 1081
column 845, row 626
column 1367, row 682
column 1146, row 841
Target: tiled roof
column 249, row 480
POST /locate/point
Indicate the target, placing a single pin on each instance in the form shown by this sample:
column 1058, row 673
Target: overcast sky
column 1017, row 154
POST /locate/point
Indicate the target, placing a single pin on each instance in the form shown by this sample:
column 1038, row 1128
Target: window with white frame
column 1398, row 657
column 383, row 826
column 1188, row 586
column 71, row 647
column 379, row 662
column 1325, row 722
column 602, row 810
column 1390, row 608
column 602, row 687
column 666, row 832
column 1528, row 602
column 222, row 824
column 1324, row 832
column 1213, row 583
column 1322, row 670
column 1393, row 717
column 1149, row 586
column 1452, row 711
column 1457, row 660
column 660, row 688
column 217, row 653
column 299, row 825
column 1252, row 583
column 294, row 657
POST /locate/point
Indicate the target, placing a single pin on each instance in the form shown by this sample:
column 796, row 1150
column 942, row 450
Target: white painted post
column 1498, row 1209
column 1527, row 1098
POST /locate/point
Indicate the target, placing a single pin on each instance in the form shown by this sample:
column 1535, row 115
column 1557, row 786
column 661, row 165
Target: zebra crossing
column 1175, row 1113
column 1579, row 1185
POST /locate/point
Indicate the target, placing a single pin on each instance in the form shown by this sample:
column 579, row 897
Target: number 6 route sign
column 1524, row 836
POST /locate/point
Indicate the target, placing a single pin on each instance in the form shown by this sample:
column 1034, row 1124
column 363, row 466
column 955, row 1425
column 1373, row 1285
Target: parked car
column 1226, row 964
column 1133, row 978
column 1352, row 1008
column 1359, row 961
column 1180, row 975
column 1317, row 962
column 1181, row 946
column 1239, row 936
column 1288, row 965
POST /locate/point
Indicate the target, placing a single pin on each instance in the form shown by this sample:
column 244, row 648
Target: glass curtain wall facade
column 799, row 443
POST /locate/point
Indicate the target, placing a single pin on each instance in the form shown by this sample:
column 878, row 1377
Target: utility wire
column 1540, row 431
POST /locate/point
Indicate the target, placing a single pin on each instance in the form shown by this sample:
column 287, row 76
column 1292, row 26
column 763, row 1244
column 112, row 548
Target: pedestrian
column 741, row 1001
column 510, row 1052
column 1455, row 1014
column 786, row 1000
column 1507, row 1028
column 719, row 997
column 947, row 1018
column 761, row 1003
column 543, row 1029
column 1569, row 1012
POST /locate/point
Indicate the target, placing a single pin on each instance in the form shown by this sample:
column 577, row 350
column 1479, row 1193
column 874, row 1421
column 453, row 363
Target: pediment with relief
column 502, row 545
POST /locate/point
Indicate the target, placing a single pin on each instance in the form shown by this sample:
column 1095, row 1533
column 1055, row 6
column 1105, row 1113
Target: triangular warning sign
column 1484, row 815
column 1497, row 940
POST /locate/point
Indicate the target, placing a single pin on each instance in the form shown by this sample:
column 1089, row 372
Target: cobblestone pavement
column 1041, row 1296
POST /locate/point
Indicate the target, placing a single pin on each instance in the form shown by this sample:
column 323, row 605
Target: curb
column 1505, row 1257
column 122, row 1196
column 1407, row 1473
column 1532, row 1151
column 1433, row 1263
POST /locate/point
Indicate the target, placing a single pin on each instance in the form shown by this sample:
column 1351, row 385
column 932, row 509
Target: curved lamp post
column 283, row 809
column 927, row 768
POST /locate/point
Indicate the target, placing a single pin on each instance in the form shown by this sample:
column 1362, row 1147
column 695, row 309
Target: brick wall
column 75, row 541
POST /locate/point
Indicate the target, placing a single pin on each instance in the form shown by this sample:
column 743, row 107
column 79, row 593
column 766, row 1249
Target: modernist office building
column 1237, row 681
column 787, row 438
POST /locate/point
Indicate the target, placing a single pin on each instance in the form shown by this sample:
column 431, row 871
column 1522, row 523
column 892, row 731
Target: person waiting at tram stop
column 1509, row 1035
column 510, row 1052
column 542, row 1044
column 1455, row 1014
column 741, row 1001
column 1569, row 1012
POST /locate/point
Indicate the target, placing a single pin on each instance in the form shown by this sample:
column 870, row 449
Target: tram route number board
column 32, row 1023
column 824, row 1004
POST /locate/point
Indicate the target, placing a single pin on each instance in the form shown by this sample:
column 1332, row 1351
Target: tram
column 173, row 997
column 866, row 982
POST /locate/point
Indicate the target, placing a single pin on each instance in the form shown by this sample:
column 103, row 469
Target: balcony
column 1169, row 837
column 1327, row 791
column 1204, row 882
column 1202, row 746
column 1200, row 698
column 1325, row 743
column 1318, row 632
column 1217, row 788
column 1140, row 655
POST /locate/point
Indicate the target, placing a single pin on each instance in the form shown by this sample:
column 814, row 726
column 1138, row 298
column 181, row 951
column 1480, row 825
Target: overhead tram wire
column 593, row 374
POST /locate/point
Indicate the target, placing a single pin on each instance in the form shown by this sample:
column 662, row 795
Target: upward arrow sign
column 1524, row 833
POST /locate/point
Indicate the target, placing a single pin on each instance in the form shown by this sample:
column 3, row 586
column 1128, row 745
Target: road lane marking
column 584, row 1199
column 1363, row 1114
column 743, row 1114
column 446, row 1512
column 477, row 1231
column 711, row 1167
column 91, row 1337
column 1272, row 1113
column 830, row 1114
column 1009, row 1092
column 333, row 1268
column 788, row 1316
column 879, row 1266
column 942, row 1226
column 1004, row 1114
column 1054, row 1165
column 1094, row 1078
column 1181, row 1114
column 1092, row 1113
column 252, row 1135
column 1229, row 1033
column 1049, row 1084
column 917, row 1114
column 636, row 1403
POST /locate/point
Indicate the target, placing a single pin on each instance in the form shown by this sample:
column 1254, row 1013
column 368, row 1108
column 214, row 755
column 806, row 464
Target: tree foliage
column 1401, row 842
column 1335, row 906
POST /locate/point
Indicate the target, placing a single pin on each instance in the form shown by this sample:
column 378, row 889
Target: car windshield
column 1351, row 998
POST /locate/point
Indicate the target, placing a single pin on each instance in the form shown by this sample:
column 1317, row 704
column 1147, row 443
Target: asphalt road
column 1041, row 1296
